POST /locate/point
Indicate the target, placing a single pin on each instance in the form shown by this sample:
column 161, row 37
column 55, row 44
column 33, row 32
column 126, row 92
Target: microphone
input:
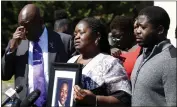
column 10, row 93
column 16, row 102
column 31, row 98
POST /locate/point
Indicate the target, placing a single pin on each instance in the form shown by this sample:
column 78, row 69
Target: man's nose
column 138, row 30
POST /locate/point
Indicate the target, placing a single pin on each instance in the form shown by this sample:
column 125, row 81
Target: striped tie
column 38, row 74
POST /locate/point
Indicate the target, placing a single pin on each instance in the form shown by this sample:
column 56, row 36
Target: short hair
column 156, row 16
column 123, row 23
column 60, row 23
column 97, row 26
column 60, row 14
column 64, row 82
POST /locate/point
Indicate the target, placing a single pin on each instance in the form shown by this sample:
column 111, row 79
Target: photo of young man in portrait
column 63, row 93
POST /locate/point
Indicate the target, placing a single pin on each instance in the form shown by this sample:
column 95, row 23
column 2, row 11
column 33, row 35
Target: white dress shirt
column 43, row 43
column 60, row 105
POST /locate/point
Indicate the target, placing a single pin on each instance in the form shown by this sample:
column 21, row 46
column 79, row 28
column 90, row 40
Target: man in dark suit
column 18, row 59
column 68, row 43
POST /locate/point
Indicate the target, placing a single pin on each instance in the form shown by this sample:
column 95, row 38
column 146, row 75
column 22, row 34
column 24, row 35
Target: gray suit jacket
column 16, row 63
column 154, row 77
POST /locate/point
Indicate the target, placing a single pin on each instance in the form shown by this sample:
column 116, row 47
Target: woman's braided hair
column 97, row 26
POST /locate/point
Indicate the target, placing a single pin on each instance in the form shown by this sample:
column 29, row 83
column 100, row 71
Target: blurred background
column 76, row 10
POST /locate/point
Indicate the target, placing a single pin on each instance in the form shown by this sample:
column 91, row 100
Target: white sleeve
column 116, row 78
column 73, row 59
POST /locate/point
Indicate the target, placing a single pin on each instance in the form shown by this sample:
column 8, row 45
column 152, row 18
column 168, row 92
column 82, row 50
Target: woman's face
column 117, row 38
column 84, row 38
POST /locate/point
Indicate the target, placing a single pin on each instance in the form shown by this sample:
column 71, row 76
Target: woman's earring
column 97, row 41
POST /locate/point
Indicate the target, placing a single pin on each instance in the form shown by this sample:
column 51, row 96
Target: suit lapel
column 51, row 50
column 51, row 47
column 23, row 48
column 51, row 53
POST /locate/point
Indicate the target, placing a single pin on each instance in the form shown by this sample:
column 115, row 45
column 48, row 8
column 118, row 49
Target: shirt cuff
column 8, row 52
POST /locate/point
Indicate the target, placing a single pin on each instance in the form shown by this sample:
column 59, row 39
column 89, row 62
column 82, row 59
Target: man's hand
column 84, row 96
column 18, row 35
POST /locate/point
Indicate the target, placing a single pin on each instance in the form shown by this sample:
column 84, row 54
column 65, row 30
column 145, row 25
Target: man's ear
column 98, row 38
column 160, row 30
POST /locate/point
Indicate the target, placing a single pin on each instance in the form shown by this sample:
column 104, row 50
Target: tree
column 105, row 10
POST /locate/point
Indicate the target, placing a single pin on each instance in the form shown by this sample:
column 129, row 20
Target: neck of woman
column 89, row 54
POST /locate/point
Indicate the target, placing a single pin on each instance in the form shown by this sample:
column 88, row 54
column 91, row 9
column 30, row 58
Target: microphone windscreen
column 11, row 92
column 31, row 98
column 18, row 88
column 16, row 102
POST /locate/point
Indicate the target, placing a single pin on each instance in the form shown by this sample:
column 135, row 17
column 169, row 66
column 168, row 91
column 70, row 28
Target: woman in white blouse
column 104, row 80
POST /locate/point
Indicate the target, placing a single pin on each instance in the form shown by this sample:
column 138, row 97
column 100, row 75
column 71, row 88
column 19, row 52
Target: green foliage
column 106, row 10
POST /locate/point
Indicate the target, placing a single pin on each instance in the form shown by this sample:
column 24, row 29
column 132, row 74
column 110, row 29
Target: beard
column 150, row 41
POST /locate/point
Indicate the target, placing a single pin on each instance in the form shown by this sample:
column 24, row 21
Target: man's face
column 32, row 25
column 63, row 93
column 146, row 33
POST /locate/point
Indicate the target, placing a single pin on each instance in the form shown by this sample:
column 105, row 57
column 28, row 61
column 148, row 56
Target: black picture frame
column 60, row 73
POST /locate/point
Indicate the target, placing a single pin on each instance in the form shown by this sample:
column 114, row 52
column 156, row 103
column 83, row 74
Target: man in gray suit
column 19, row 55
column 154, row 75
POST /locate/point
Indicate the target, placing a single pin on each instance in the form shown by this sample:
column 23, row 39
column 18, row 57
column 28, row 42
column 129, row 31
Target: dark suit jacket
column 68, row 43
column 16, row 63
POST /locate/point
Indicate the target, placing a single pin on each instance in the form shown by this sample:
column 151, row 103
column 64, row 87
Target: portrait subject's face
column 63, row 93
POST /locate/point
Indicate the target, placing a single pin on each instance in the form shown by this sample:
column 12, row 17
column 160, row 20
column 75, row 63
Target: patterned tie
column 38, row 74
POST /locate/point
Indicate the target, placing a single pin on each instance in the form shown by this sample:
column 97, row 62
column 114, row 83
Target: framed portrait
column 62, row 78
